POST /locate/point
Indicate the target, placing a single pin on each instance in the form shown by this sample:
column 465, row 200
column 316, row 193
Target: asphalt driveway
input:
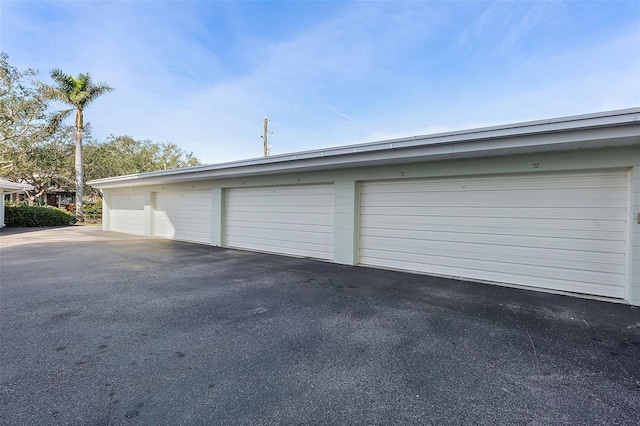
column 105, row 328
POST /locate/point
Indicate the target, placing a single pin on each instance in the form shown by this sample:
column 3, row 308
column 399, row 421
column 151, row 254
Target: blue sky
column 204, row 74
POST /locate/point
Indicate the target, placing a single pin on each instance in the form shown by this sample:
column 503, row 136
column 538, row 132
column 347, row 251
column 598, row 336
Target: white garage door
column 295, row 220
column 557, row 231
column 127, row 213
column 183, row 216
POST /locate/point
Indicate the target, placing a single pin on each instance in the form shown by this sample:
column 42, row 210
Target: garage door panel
column 175, row 222
column 420, row 229
column 290, row 220
column 244, row 203
column 564, row 231
column 253, row 226
column 169, row 231
column 465, row 266
column 452, row 222
column 126, row 213
column 570, row 285
column 610, row 263
column 286, row 235
column 287, row 209
column 129, row 213
column 283, row 215
column 501, row 199
column 183, row 215
column 319, row 250
column 511, row 241
column 182, row 212
column 316, row 248
column 494, row 212
column 470, row 250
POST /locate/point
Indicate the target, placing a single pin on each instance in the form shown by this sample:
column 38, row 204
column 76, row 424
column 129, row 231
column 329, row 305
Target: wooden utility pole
column 264, row 137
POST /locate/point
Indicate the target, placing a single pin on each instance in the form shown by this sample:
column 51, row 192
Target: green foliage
column 123, row 155
column 93, row 210
column 31, row 216
column 30, row 150
column 23, row 107
column 41, row 161
column 36, row 149
column 16, row 203
column 77, row 92
column 93, row 207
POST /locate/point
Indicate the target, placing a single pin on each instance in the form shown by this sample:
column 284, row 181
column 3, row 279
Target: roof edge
column 6, row 184
column 628, row 116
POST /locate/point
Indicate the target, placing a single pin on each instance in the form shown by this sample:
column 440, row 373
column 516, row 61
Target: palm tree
column 77, row 92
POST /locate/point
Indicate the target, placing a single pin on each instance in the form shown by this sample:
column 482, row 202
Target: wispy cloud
column 342, row 114
column 204, row 74
column 503, row 27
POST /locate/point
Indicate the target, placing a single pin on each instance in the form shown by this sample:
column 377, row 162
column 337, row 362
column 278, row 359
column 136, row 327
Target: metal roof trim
column 457, row 140
column 13, row 186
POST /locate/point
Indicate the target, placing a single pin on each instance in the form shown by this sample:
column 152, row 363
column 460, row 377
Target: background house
column 10, row 190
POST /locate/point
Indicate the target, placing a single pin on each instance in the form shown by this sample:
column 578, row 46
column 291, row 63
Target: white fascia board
column 600, row 130
column 8, row 186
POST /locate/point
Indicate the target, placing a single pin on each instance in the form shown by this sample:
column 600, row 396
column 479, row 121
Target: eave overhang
column 8, row 186
column 610, row 129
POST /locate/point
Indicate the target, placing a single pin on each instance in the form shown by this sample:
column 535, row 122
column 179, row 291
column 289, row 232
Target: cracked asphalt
column 104, row 328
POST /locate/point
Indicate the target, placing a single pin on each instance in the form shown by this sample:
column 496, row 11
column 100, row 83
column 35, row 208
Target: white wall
column 634, row 240
column 2, row 209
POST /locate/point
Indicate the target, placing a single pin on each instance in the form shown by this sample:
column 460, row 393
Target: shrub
column 16, row 203
column 92, row 211
column 33, row 216
column 93, row 208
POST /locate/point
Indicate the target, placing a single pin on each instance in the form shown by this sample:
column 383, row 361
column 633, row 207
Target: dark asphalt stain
column 61, row 348
column 132, row 414
column 180, row 354
column 135, row 412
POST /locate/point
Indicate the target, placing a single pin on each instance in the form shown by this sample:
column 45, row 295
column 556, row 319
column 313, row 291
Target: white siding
column 296, row 220
column 1, row 209
column 126, row 213
column 183, row 215
column 345, row 222
column 561, row 231
column 634, row 267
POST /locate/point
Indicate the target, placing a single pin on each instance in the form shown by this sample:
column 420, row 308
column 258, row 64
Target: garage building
column 551, row 204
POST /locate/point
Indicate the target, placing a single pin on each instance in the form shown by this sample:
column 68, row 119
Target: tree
column 23, row 108
column 41, row 159
column 170, row 156
column 78, row 92
column 36, row 148
column 123, row 155
column 31, row 151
